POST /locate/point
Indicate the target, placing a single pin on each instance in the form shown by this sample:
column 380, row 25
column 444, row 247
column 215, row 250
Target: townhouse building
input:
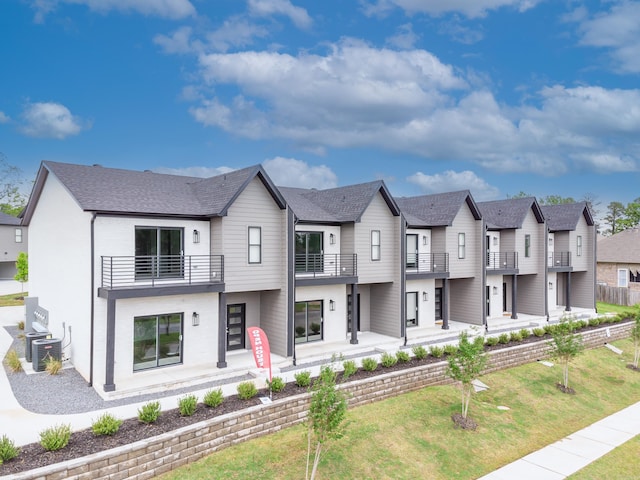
column 13, row 240
column 144, row 273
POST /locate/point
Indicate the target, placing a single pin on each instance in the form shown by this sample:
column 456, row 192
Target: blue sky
column 497, row 96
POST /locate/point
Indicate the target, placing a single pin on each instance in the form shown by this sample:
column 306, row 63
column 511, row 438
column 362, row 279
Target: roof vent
column 97, row 165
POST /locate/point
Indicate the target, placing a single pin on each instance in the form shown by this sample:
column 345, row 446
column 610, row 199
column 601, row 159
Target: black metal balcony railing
column 502, row 260
column 427, row 262
column 161, row 270
column 559, row 259
column 326, row 265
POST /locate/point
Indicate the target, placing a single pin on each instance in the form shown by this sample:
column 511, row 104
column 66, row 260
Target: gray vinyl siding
column 254, row 207
column 531, row 264
column 10, row 249
column 347, row 239
column 582, row 289
column 561, row 243
column 385, row 309
column 216, row 236
column 466, row 299
column 439, row 240
column 470, row 266
column 377, row 217
column 585, row 261
column 273, row 319
column 531, row 294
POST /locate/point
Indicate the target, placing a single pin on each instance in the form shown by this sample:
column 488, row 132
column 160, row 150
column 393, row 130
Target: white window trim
column 462, row 245
column 625, row 276
column 18, row 235
column 579, row 246
column 376, row 253
column 252, row 244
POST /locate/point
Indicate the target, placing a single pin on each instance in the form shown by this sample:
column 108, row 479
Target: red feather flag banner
column 260, row 347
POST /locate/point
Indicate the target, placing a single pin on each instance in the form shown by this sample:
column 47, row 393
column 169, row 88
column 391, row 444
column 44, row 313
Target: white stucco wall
column 334, row 322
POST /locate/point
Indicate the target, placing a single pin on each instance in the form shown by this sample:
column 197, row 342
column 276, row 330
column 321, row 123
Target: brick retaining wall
column 154, row 456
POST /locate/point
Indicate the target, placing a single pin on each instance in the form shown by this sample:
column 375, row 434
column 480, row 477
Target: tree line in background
column 12, row 200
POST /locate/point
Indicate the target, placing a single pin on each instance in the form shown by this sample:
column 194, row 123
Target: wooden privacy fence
column 617, row 295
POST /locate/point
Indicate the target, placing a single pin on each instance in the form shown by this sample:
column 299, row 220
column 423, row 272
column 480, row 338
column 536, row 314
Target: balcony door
column 309, row 252
column 159, row 252
column 412, row 250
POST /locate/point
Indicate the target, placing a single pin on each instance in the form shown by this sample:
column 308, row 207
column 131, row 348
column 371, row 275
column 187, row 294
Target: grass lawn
column 412, row 435
column 13, row 299
column 623, row 462
column 611, row 308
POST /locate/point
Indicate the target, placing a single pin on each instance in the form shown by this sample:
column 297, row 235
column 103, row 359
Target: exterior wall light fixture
column 196, row 236
column 195, row 319
column 332, row 305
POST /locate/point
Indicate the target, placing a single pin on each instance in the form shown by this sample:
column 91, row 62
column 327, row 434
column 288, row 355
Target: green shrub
column 52, row 365
column 276, row 384
column 525, row 333
column 369, row 364
column 550, row 329
column 450, row 349
column 538, row 332
column 55, row 438
column 187, row 405
column 419, row 352
column 303, row 379
column 388, row 360
column 149, row 412
column 403, row 356
column 349, row 367
column 621, row 316
column 106, row 424
column 213, row 398
column 20, row 324
column 515, row 337
column 13, row 361
column 435, row 351
column 8, row 449
column 246, row 390
column 503, row 338
column 491, row 341
column 594, row 322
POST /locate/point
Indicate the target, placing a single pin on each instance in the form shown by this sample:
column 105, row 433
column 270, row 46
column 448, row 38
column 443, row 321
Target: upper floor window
column 579, row 245
column 158, row 252
column 375, row 245
column 18, row 235
column 255, row 245
column 461, row 245
column 527, row 245
column 309, row 256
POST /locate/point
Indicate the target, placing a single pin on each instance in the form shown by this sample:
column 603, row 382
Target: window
column 157, row 341
column 412, row 309
column 579, row 246
column 375, row 245
column 634, row 278
column 527, row 245
column 622, row 277
column 308, row 321
column 309, row 252
column 461, row 245
column 18, row 235
column 412, row 250
column 158, row 252
column 255, row 245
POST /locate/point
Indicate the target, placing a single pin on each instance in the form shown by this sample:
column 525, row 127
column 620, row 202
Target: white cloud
column 289, row 172
column 297, row 15
column 50, row 120
column 4, row 118
column 178, row 42
column 405, row 38
column 203, row 172
column 617, row 30
column 235, row 32
column 172, row 9
column 450, row 181
column 469, row 8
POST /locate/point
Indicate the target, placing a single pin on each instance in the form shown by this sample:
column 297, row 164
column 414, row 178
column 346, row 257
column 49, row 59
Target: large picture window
column 461, row 246
column 255, row 245
column 308, row 321
column 157, row 341
column 159, row 252
column 375, row 245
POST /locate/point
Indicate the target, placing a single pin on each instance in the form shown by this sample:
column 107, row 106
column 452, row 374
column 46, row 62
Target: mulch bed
column 84, row 442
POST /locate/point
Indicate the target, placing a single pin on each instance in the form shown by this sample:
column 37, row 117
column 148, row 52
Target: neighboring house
column 13, row 240
column 147, row 270
column 571, row 256
column 443, row 261
column 515, row 260
column 347, row 263
column 619, row 259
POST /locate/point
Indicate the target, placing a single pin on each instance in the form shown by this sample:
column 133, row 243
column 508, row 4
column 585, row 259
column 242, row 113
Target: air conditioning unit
column 44, row 348
column 29, row 338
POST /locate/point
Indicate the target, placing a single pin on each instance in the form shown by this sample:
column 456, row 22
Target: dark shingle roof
column 436, row 210
column 8, row 219
column 341, row 204
column 566, row 215
column 623, row 247
column 509, row 213
column 113, row 190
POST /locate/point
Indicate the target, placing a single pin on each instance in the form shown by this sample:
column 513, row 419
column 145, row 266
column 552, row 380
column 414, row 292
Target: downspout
column 403, row 278
column 546, row 269
column 594, row 265
column 483, row 261
column 292, row 221
column 92, row 320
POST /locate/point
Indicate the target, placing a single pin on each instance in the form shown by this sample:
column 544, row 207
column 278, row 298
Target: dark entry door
column 350, row 313
column 438, row 303
column 236, row 323
column 488, row 290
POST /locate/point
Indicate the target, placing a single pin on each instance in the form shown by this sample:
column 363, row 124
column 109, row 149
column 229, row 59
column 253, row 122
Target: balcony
column 161, row 271
column 502, row 260
column 427, row 263
column 325, row 265
column 559, row 260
